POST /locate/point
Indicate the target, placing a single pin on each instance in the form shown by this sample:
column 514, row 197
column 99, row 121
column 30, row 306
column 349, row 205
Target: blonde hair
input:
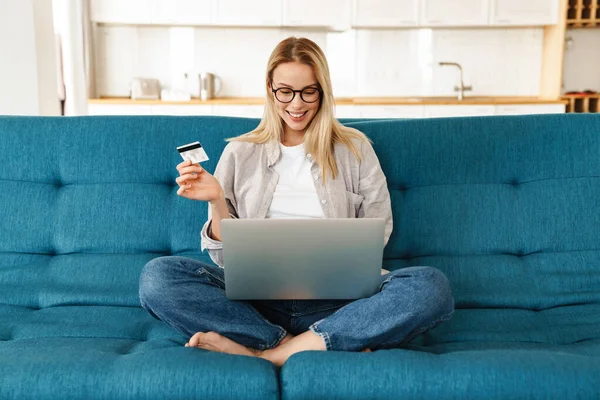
column 324, row 131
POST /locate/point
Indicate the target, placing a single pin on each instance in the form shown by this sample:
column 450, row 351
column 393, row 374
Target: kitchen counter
column 436, row 100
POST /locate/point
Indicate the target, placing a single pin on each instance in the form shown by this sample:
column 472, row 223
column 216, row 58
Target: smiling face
column 296, row 114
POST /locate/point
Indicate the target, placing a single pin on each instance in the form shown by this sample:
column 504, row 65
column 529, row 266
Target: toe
column 194, row 340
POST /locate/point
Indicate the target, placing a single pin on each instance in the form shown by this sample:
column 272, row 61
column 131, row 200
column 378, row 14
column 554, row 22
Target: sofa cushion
column 507, row 207
column 109, row 352
column 480, row 353
column 493, row 370
column 86, row 202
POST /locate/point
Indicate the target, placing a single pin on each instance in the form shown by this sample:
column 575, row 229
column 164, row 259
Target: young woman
column 300, row 162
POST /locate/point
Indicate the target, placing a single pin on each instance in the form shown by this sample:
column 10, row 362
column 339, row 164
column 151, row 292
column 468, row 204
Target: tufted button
column 323, row 201
column 515, row 182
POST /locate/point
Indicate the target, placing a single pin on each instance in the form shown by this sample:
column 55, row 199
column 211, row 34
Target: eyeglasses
column 286, row 95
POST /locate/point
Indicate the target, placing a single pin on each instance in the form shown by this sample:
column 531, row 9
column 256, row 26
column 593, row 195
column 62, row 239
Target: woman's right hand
column 197, row 184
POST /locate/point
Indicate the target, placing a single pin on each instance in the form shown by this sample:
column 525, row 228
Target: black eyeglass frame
column 297, row 91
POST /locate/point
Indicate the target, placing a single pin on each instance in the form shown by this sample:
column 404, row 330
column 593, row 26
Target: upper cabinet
column 247, row 13
column 329, row 13
column 519, row 12
column 454, row 12
column 121, row 12
column 385, row 13
column 143, row 12
column 181, row 12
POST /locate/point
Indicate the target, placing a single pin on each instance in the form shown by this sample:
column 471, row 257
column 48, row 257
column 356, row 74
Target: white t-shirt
column 295, row 195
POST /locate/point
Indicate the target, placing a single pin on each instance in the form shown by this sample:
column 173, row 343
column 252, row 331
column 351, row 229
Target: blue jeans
column 189, row 296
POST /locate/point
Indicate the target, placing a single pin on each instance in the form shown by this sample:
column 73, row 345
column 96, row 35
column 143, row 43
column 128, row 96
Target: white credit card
column 193, row 152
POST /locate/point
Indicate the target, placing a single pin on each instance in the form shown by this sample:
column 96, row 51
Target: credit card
column 193, row 152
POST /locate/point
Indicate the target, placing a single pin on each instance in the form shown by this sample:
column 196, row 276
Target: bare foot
column 305, row 341
column 287, row 347
column 214, row 342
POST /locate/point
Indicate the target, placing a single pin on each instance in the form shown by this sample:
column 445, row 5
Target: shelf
column 583, row 14
column 583, row 23
column 583, row 103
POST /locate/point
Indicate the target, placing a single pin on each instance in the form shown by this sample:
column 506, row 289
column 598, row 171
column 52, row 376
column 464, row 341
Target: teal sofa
column 507, row 207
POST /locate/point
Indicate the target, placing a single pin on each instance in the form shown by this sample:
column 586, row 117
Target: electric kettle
column 210, row 85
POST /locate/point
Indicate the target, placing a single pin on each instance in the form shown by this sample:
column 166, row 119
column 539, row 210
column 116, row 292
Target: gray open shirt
column 245, row 171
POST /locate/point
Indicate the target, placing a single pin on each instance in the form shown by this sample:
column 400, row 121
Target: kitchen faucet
column 462, row 88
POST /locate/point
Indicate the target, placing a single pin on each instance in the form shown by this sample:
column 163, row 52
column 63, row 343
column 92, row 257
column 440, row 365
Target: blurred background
column 388, row 58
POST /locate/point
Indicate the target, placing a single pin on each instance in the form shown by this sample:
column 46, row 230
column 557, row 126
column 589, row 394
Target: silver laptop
column 301, row 259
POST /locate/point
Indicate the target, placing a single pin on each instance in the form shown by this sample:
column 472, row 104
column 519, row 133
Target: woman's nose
column 297, row 101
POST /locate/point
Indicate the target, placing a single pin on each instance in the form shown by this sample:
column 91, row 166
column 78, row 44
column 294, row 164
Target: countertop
column 387, row 101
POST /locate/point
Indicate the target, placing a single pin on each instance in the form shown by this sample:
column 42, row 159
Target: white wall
column 18, row 69
column 27, row 63
column 373, row 62
column 582, row 60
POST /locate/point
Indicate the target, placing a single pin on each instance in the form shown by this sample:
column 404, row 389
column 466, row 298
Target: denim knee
column 154, row 279
column 438, row 300
column 433, row 295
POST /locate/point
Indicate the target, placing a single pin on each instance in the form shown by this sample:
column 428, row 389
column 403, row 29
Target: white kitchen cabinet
column 184, row 109
column 120, row 109
column 162, row 109
column 238, row 111
column 181, row 12
column 346, row 111
column 391, row 111
column 385, row 13
column 522, row 109
column 519, row 12
column 247, row 13
column 455, row 12
column 121, row 12
column 329, row 13
column 440, row 111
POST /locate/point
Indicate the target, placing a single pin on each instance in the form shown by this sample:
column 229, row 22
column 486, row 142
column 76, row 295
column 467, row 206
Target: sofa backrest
column 507, row 207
